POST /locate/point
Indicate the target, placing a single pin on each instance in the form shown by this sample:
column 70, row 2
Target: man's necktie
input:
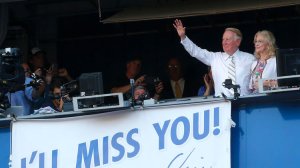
column 231, row 70
column 178, row 93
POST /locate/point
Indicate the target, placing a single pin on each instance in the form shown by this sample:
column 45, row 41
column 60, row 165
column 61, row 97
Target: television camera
column 68, row 90
column 12, row 75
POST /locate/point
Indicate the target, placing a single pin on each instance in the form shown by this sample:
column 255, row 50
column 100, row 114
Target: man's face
column 230, row 43
column 38, row 60
column 174, row 69
column 134, row 67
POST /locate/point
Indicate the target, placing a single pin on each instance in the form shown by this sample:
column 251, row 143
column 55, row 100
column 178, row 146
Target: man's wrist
column 182, row 37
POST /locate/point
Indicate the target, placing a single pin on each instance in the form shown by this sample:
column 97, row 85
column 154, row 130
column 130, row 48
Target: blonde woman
column 265, row 65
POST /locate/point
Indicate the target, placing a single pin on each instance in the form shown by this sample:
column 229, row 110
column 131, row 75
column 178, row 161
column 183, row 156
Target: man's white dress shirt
column 219, row 62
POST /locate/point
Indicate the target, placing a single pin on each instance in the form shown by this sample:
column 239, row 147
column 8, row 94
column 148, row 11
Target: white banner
column 191, row 135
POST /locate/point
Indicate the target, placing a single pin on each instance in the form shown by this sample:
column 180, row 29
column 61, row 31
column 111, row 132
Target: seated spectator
column 133, row 69
column 265, row 66
column 37, row 60
column 56, row 99
column 208, row 89
column 38, row 63
column 177, row 86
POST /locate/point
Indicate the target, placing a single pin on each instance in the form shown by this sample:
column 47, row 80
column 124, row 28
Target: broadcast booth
column 252, row 131
column 103, row 130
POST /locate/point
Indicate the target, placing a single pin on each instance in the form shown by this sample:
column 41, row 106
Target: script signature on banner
column 177, row 157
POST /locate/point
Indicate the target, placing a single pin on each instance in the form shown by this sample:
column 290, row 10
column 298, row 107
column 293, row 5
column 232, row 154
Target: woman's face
column 260, row 44
column 57, row 91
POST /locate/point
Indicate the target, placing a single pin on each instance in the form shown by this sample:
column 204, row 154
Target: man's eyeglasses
column 173, row 66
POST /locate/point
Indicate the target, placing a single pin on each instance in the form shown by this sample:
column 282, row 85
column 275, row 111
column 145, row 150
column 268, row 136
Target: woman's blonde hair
column 270, row 40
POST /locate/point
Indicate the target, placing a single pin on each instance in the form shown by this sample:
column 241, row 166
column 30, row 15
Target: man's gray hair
column 237, row 32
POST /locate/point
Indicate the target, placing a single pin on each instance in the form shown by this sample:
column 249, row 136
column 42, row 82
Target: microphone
column 132, row 91
column 229, row 85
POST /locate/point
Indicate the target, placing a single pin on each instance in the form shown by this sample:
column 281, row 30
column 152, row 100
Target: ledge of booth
column 265, row 134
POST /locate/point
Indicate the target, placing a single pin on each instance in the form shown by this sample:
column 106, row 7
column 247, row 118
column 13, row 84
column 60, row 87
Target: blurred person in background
column 177, row 86
column 133, row 71
column 208, row 89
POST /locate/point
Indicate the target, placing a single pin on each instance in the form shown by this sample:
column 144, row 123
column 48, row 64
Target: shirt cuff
column 184, row 41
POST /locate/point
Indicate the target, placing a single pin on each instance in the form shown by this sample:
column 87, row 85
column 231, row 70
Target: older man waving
column 230, row 64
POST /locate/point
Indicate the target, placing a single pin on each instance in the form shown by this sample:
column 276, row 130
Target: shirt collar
column 180, row 80
column 234, row 54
